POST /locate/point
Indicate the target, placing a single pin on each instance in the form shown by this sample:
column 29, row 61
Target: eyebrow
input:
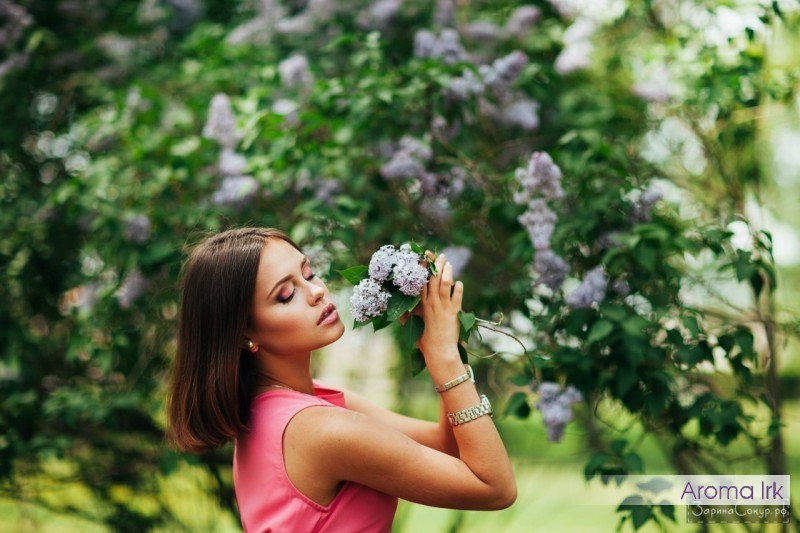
column 287, row 277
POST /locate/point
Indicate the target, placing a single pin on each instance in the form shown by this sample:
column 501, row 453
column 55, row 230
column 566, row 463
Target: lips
column 328, row 314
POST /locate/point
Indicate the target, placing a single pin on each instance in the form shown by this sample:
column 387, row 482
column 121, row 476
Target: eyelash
column 289, row 298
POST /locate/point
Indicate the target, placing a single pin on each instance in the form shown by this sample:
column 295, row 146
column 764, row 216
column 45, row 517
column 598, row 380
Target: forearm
column 478, row 443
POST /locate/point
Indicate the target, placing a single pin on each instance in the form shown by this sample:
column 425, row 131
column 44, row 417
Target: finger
column 435, row 282
column 446, row 283
column 458, row 294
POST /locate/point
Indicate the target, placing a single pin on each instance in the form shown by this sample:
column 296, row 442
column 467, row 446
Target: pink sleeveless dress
column 267, row 499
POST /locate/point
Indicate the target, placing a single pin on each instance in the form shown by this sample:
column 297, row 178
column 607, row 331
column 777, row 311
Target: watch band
column 471, row 413
column 468, row 375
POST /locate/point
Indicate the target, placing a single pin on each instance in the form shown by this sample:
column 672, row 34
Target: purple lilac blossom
column 444, row 14
column 523, row 113
column 369, row 300
column 458, row 257
column 550, row 268
column 446, row 46
column 505, row 70
column 621, row 287
column 465, row 86
column 221, row 123
column 522, row 20
column 133, row 286
column 137, row 229
column 556, row 407
column 540, row 222
column 407, row 274
column 592, row 289
column 643, row 207
column 379, row 15
column 382, row 262
column 483, row 30
column 541, row 176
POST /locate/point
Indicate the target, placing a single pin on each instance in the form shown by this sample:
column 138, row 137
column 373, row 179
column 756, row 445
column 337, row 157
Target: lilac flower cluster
column 578, row 47
column 137, row 229
column 133, row 286
column 446, row 46
column 540, row 181
column 591, row 290
column 408, row 161
column 643, row 206
column 369, row 300
column 295, row 72
column 555, row 404
column 389, row 269
column 236, row 189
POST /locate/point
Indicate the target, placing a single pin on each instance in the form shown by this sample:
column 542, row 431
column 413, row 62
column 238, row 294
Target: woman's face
column 292, row 310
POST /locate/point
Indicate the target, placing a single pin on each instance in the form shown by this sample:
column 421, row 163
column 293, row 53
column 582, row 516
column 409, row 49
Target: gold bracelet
column 471, row 413
column 468, row 375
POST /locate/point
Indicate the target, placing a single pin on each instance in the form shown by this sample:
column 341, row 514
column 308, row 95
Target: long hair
column 213, row 375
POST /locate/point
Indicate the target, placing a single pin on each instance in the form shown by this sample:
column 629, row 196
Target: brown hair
column 213, row 375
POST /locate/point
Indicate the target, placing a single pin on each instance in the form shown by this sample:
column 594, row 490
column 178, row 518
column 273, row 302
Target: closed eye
column 288, row 299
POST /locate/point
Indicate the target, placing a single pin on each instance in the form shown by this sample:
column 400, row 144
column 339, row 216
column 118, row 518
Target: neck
column 289, row 373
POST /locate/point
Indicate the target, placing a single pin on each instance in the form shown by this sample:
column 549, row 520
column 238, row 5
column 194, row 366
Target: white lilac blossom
column 133, row 286
column 540, row 222
column 379, row 15
column 523, row 113
column 407, row 274
column 382, row 262
column 592, row 289
column 458, row 257
column 221, row 123
column 656, row 87
column 235, row 191
column 294, row 71
column 541, row 176
column 550, row 268
column 643, row 206
column 137, row 229
column 446, row 46
column 556, row 407
column 369, row 300
column 231, row 163
column 465, row 86
column 521, row 21
column 578, row 47
column 566, row 8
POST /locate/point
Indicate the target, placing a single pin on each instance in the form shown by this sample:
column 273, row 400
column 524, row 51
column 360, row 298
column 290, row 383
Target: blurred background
column 617, row 182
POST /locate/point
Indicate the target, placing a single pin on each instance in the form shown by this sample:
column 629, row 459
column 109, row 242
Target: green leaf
column 600, row 330
column 399, row 304
column 635, row 326
column 640, row 514
column 668, row 510
column 595, row 463
column 467, row 321
column 692, row 325
column 630, row 502
column 518, row 405
column 355, row 274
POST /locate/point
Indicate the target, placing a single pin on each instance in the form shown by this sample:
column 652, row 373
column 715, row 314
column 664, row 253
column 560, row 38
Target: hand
column 439, row 306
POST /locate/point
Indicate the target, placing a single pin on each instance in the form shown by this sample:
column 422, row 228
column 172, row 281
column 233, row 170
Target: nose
column 315, row 292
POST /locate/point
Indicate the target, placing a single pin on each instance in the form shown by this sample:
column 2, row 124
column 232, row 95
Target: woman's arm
column 436, row 435
column 342, row 444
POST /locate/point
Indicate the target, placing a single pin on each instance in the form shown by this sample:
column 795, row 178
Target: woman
column 309, row 458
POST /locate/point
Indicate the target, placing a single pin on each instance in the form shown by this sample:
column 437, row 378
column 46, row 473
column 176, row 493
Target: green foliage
column 108, row 173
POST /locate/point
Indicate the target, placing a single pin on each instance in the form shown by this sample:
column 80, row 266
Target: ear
column 250, row 346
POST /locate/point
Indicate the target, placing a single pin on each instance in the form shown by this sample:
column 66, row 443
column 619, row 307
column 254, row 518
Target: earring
column 250, row 345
